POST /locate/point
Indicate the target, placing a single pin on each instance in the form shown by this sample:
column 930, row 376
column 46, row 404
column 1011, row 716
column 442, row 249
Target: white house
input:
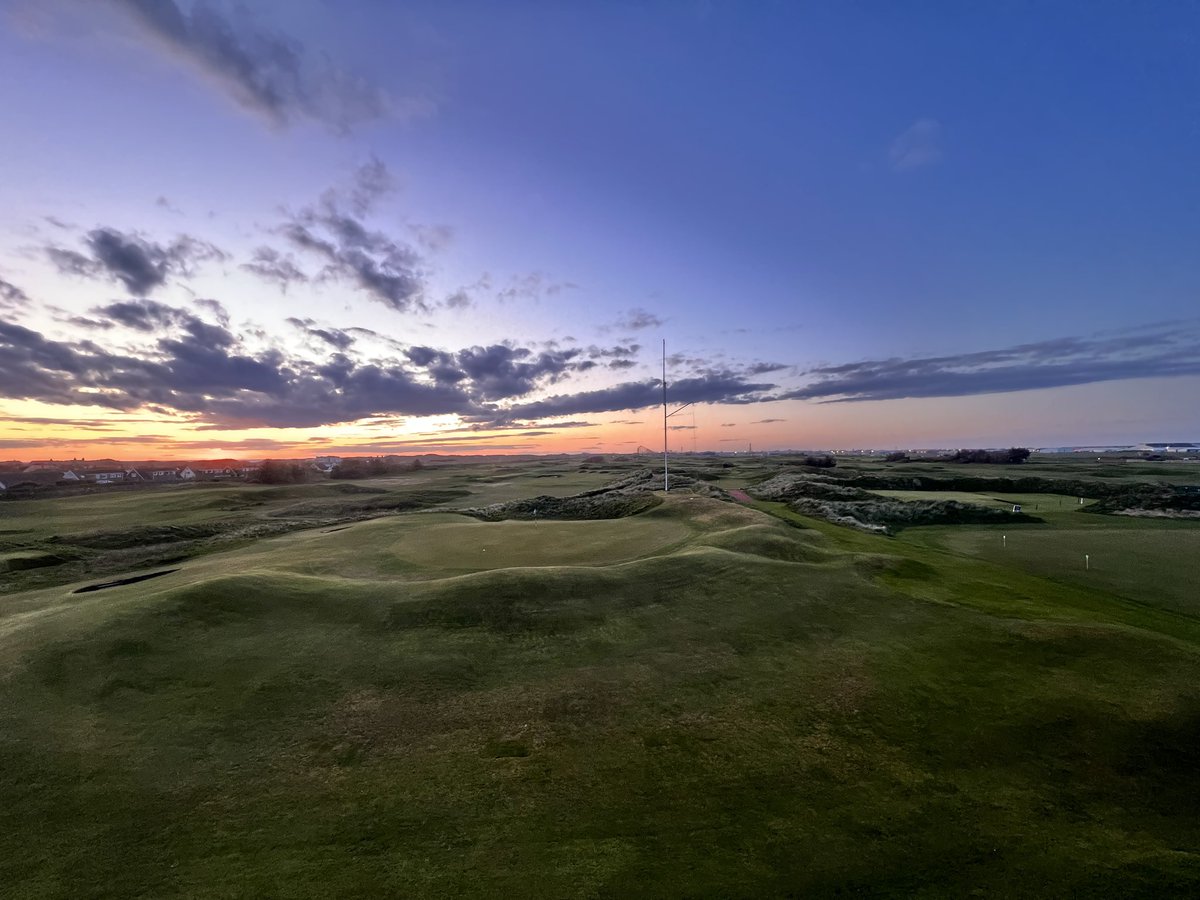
column 186, row 474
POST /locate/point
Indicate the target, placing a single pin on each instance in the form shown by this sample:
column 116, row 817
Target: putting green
column 494, row 545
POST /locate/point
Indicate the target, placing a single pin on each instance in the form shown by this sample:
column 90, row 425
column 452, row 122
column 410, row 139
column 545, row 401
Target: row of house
column 46, row 474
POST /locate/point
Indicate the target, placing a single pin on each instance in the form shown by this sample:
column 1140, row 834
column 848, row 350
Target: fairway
column 476, row 545
column 1039, row 504
column 1153, row 562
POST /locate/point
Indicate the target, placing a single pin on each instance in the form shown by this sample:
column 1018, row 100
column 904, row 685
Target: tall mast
column 666, row 473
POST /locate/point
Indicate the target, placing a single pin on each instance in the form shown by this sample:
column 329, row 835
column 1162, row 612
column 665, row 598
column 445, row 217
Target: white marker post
column 1087, row 563
column 1004, row 540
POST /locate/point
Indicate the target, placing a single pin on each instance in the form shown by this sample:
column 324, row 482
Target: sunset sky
column 301, row 227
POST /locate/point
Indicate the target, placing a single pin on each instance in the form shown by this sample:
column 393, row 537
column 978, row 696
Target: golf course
column 373, row 688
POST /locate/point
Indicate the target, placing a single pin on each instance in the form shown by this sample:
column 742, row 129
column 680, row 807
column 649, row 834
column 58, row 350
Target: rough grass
column 725, row 704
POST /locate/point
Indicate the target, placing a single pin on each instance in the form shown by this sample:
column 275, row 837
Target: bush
column 278, row 471
column 1012, row 455
column 881, row 513
column 374, row 466
column 820, row 462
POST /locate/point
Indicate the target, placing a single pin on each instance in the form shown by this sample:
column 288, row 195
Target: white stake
column 1087, row 562
column 1004, row 540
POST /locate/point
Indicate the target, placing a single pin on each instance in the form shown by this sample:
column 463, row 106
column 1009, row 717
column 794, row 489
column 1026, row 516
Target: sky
column 307, row 227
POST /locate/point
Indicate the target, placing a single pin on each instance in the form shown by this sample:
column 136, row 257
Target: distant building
column 186, row 474
column 39, row 478
column 215, row 468
column 105, row 477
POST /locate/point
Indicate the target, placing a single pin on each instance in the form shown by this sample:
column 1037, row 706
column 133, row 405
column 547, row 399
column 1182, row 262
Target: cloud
column 767, row 421
column 763, row 368
column 729, row 424
column 371, row 182
column 498, row 371
column 139, row 264
column 200, row 368
column 433, row 238
column 916, row 146
column 533, row 286
column 141, row 315
column 11, row 296
column 271, row 265
column 215, row 307
column 619, row 351
column 503, row 423
column 334, row 337
column 192, row 366
column 631, row 395
column 637, row 319
column 71, row 262
column 270, row 75
column 1155, row 351
column 334, row 230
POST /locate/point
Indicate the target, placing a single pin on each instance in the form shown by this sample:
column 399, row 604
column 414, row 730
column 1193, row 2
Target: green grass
column 703, row 700
column 110, row 531
column 1153, row 562
column 1039, row 504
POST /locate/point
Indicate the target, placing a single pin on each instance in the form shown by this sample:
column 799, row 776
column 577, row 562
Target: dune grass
column 703, row 700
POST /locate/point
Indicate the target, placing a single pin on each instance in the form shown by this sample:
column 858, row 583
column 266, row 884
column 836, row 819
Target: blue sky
column 865, row 224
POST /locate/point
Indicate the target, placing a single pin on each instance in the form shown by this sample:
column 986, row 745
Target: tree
column 278, row 471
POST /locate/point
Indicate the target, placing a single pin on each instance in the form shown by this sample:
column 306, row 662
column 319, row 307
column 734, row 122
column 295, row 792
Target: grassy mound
column 628, row 496
column 744, row 709
column 603, row 506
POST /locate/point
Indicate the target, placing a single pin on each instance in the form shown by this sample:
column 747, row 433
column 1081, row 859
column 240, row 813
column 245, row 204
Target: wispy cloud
column 638, row 319
column 11, row 296
column 1154, row 351
column 335, row 231
column 918, row 145
column 140, row 264
column 267, row 73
